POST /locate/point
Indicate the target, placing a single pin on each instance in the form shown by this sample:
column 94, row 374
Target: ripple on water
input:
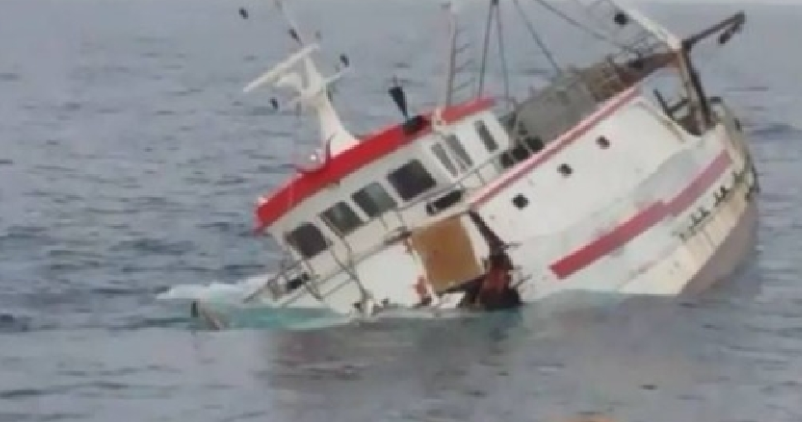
column 10, row 323
column 776, row 130
column 154, row 246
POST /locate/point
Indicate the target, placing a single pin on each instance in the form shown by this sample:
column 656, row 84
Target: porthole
column 520, row 201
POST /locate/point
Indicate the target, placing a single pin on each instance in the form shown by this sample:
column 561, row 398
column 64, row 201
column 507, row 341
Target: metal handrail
column 359, row 257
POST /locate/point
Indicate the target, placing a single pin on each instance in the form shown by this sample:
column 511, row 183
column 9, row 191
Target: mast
column 681, row 48
column 458, row 60
column 299, row 73
column 448, row 90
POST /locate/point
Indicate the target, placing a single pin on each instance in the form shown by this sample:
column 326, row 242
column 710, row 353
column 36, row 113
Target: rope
column 541, row 44
column 348, row 268
column 502, row 56
column 598, row 35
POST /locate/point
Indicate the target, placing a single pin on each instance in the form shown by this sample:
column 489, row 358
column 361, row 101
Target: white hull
column 672, row 256
column 683, row 252
column 588, row 184
column 711, row 254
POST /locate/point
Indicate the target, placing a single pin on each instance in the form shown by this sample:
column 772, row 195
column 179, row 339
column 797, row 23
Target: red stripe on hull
column 609, row 242
column 369, row 150
column 700, row 184
column 641, row 222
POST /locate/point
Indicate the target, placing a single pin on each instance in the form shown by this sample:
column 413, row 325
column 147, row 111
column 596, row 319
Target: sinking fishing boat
column 590, row 183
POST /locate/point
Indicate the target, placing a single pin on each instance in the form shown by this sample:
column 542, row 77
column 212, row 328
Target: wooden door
column 447, row 253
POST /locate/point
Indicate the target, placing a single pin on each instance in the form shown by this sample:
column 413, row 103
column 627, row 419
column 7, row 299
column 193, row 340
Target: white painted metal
column 312, row 93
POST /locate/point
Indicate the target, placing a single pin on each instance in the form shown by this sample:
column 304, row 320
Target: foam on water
column 225, row 301
column 216, row 292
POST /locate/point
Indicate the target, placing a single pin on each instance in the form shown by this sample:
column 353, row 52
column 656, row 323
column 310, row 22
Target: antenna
column 300, row 74
column 458, row 60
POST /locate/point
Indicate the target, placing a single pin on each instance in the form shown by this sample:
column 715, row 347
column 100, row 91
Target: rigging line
column 492, row 8
column 593, row 19
column 294, row 30
column 451, row 45
column 502, row 56
column 586, row 9
column 582, row 27
column 350, row 269
column 541, row 44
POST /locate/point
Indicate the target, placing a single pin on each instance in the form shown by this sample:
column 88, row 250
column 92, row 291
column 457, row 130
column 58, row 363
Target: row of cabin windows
column 409, row 181
column 441, row 154
column 307, row 240
column 484, row 134
column 463, row 160
column 373, row 200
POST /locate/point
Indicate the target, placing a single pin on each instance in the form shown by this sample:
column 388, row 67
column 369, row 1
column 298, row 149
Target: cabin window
column 307, row 240
column 520, row 201
column 485, row 136
column 411, row 180
column 374, row 200
column 442, row 155
column 463, row 159
column 341, row 218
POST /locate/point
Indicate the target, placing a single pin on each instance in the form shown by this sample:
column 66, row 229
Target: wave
column 215, row 292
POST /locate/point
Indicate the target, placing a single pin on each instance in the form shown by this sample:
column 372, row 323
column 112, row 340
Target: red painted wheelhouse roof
column 371, row 149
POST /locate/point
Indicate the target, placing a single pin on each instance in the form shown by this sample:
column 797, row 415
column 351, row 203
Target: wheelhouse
column 426, row 175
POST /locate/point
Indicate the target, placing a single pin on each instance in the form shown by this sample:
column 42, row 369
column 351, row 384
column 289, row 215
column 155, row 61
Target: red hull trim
column 558, row 145
column 642, row 222
column 371, row 149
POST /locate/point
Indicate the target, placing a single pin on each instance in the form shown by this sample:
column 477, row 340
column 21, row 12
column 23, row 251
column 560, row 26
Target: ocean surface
column 130, row 162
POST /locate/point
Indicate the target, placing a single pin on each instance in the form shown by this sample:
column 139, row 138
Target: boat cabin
column 391, row 181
